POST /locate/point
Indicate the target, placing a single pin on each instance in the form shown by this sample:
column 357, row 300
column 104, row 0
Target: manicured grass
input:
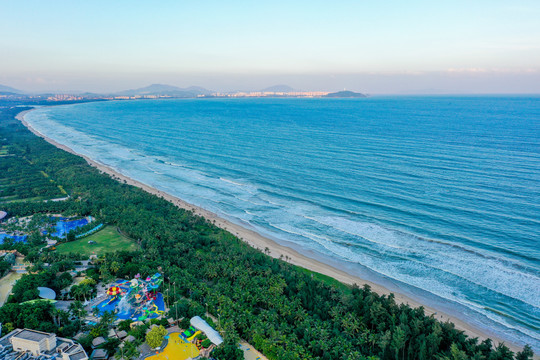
column 327, row 279
column 107, row 239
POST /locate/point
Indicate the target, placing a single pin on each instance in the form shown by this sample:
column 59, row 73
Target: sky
column 369, row 46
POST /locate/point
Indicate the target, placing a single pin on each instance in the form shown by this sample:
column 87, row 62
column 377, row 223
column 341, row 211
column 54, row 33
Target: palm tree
column 115, row 266
column 77, row 310
column 55, row 315
column 63, row 317
column 372, row 339
column 398, row 341
column 75, row 292
column 74, row 308
column 351, row 324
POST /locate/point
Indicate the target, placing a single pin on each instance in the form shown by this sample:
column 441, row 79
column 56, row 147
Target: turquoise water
column 437, row 197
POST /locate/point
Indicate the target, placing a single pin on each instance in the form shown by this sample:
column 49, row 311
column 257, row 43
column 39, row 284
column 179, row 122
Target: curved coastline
column 277, row 250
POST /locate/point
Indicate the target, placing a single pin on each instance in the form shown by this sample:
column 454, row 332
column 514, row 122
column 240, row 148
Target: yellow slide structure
column 190, row 339
column 157, row 311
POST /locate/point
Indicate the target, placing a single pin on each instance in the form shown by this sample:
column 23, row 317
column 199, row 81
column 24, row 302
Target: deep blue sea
column 435, row 197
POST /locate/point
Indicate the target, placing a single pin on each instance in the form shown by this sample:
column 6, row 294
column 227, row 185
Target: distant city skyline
column 372, row 47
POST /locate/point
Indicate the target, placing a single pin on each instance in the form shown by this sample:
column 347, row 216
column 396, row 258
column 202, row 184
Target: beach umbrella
column 114, row 290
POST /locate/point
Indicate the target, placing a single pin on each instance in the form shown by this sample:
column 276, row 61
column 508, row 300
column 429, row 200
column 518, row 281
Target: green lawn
column 327, row 279
column 107, row 240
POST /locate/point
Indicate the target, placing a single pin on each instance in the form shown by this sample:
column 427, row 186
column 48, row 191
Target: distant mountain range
column 9, row 90
column 171, row 91
column 166, row 90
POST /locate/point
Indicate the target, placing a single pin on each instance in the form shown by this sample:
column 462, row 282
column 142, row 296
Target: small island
column 345, row 94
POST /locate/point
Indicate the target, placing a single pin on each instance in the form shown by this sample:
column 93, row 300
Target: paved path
column 6, row 284
column 250, row 353
column 21, row 268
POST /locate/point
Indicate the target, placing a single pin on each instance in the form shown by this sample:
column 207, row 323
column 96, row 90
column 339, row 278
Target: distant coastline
column 274, row 249
column 163, row 91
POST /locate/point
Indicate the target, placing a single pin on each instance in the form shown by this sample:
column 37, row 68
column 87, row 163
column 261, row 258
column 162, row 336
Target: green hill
column 346, row 94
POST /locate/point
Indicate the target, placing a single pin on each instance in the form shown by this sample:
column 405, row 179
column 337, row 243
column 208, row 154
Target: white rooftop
column 212, row 335
column 46, row 293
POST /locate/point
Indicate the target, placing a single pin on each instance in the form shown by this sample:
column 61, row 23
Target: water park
column 56, row 227
column 63, row 225
column 137, row 299
column 199, row 339
column 12, row 237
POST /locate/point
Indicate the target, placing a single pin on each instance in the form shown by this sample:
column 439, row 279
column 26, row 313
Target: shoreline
column 277, row 250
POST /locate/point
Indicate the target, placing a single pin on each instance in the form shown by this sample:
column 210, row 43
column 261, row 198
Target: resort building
column 99, row 354
column 39, row 345
column 100, row 340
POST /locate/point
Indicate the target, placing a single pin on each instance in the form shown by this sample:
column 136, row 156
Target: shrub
column 154, row 338
column 206, row 343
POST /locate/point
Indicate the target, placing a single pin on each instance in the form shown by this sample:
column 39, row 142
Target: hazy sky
column 372, row 46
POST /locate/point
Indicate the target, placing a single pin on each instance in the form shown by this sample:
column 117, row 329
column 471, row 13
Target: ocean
column 434, row 197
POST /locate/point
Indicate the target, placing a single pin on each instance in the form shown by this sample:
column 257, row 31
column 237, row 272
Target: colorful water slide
column 190, row 339
column 157, row 311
